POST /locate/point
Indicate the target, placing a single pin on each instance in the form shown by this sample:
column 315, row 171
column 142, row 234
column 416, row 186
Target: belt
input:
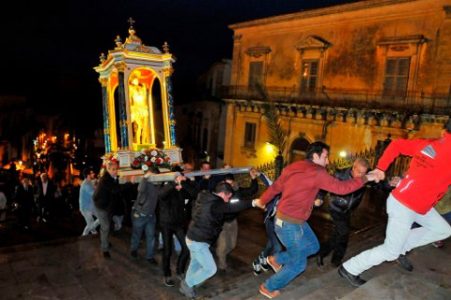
column 288, row 219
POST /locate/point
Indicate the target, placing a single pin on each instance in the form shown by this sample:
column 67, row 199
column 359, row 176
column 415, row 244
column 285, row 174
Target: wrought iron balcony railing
column 413, row 101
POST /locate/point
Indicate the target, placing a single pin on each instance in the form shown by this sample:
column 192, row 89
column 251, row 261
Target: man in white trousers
column 412, row 201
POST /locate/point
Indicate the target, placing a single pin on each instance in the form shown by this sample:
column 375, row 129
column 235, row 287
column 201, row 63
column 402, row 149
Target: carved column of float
column 122, row 107
column 106, row 115
column 171, row 112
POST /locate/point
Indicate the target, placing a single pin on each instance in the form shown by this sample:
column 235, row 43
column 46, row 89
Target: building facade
column 201, row 123
column 350, row 75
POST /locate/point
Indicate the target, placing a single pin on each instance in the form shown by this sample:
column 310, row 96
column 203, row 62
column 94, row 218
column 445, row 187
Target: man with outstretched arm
column 412, row 201
column 299, row 184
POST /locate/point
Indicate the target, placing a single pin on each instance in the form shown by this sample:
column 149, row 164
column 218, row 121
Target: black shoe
column 106, row 254
column 169, row 282
column 336, row 263
column 152, row 261
column 222, row 271
column 319, row 260
column 404, row 263
column 134, row 254
column 353, row 280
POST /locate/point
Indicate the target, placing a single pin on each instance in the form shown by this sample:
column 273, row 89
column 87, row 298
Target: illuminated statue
column 139, row 112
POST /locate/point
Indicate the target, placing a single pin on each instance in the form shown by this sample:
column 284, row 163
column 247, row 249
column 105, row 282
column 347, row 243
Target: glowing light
column 342, row 154
column 269, row 148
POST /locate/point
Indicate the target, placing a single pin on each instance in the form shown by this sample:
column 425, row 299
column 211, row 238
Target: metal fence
column 397, row 168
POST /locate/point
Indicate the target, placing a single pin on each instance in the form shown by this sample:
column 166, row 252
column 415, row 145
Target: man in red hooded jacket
column 413, row 200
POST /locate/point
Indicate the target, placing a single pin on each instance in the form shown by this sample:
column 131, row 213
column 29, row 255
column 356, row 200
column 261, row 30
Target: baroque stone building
column 350, row 75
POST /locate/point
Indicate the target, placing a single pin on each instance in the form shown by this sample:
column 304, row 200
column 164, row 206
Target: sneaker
column 264, row 266
column 134, row 254
column 271, row 260
column 353, row 280
column 152, row 261
column 404, row 263
column 106, row 254
column 257, row 267
column 186, row 290
column 265, row 292
column 438, row 244
column 169, row 282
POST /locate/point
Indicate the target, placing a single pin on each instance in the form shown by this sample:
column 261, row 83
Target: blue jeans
column 202, row 265
column 146, row 224
column 272, row 245
column 300, row 242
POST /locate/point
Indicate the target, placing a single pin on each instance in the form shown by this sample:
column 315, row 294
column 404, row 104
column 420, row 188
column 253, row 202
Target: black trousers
column 167, row 231
column 338, row 242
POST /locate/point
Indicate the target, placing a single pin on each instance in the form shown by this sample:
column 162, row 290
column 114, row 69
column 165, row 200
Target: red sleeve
column 398, row 147
column 331, row 184
column 273, row 190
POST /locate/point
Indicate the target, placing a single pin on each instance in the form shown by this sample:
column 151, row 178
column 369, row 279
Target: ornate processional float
column 138, row 108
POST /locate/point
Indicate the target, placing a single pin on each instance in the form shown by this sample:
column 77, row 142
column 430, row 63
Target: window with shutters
column 249, row 134
column 396, row 76
column 255, row 74
column 309, row 76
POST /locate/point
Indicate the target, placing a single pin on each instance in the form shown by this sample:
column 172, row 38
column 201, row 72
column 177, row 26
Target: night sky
column 49, row 49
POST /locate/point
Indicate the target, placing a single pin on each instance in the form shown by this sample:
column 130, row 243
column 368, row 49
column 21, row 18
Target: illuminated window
column 249, row 134
column 396, row 76
column 309, row 76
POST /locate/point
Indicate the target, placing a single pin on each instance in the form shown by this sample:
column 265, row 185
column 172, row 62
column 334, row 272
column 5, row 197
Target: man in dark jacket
column 341, row 207
column 106, row 195
column 25, row 200
column 227, row 238
column 46, row 197
column 172, row 219
column 144, row 217
column 205, row 226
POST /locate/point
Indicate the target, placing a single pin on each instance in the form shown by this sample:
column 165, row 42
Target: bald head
column 359, row 167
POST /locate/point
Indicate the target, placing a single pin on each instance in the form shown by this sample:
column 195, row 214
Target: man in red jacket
column 299, row 184
column 413, row 200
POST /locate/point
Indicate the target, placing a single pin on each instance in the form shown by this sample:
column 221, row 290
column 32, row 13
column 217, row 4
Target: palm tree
column 277, row 135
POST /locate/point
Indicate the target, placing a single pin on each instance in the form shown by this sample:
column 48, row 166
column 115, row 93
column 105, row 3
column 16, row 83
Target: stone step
column 246, row 285
column 393, row 285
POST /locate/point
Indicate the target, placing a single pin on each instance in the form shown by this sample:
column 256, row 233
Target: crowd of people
column 200, row 213
column 31, row 200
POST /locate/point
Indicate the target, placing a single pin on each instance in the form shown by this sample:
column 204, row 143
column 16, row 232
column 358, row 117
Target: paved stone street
column 73, row 268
